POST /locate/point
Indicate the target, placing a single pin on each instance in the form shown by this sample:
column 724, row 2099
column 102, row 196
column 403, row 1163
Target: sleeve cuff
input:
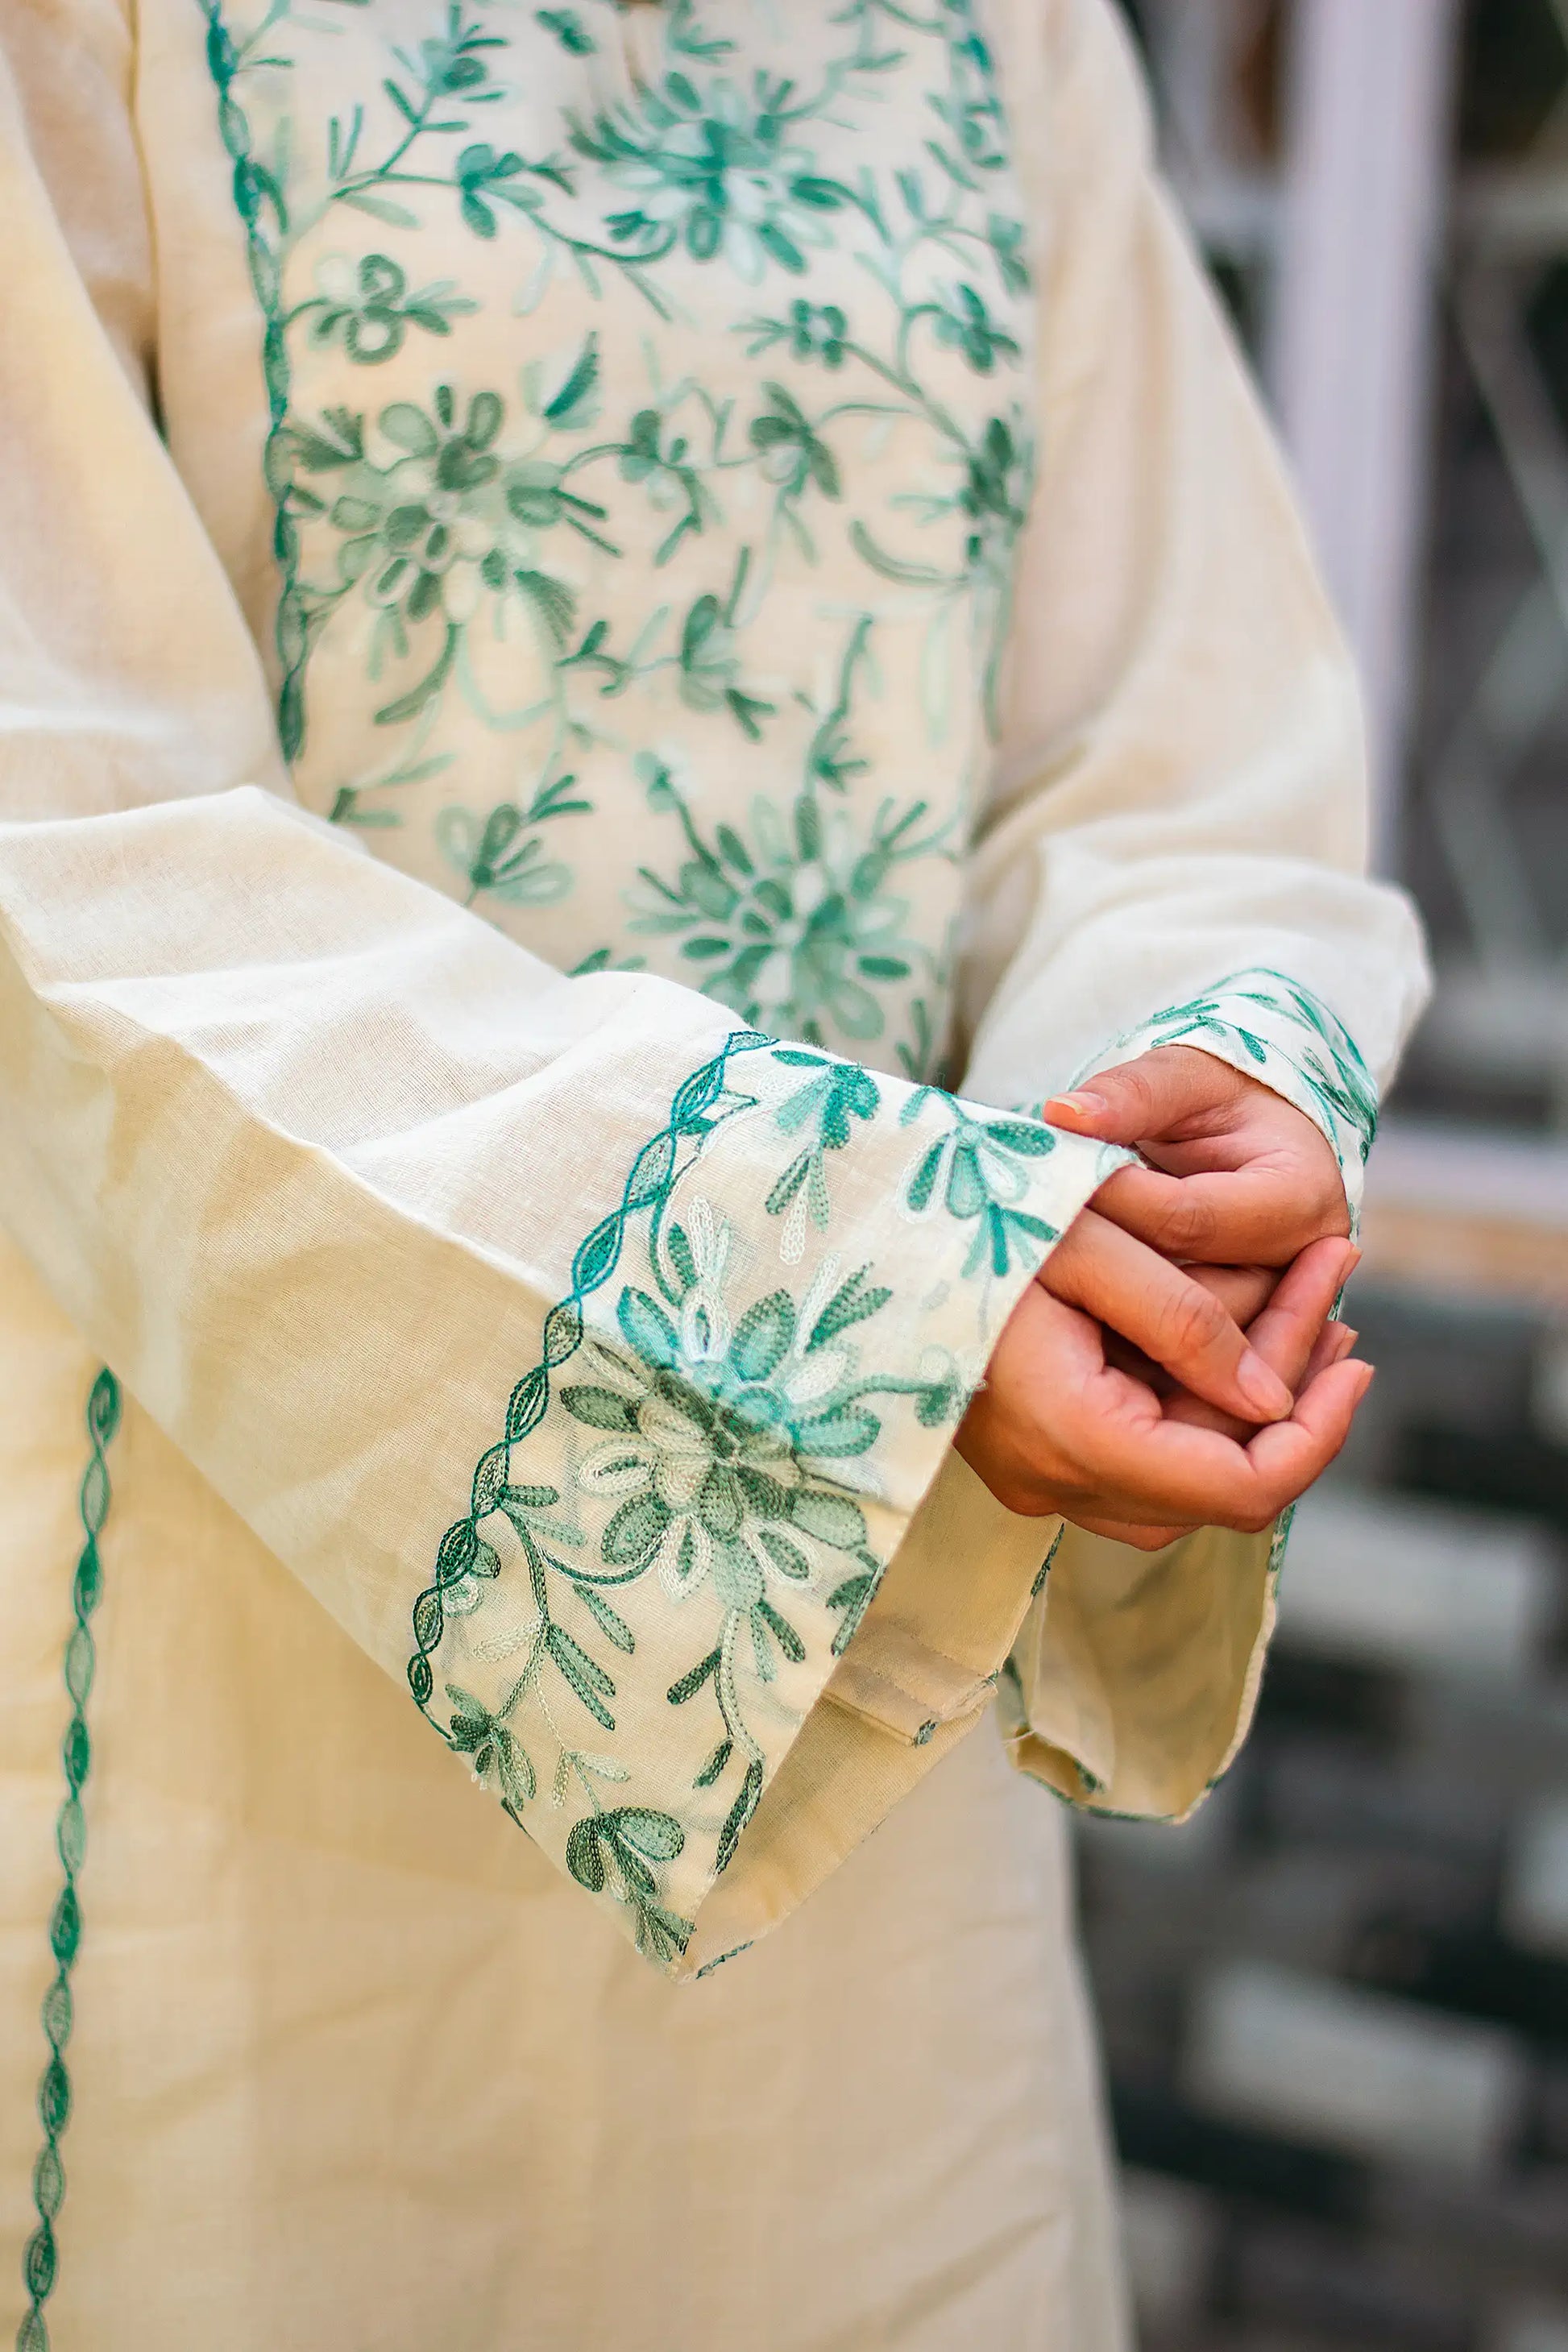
column 1273, row 1029
column 1135, row 1678
column 702, row 1511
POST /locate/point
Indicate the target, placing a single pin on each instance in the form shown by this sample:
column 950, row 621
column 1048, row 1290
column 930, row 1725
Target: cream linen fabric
column 328, row 1165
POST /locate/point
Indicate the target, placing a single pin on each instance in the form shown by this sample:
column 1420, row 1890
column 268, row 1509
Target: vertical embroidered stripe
column 259, row 202
column 40, row 2262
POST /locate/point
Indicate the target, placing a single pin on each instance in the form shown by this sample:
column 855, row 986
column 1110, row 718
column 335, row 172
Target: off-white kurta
column 589, row 603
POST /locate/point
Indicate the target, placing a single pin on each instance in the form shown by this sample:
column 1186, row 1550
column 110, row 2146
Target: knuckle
column 1190, row 1225
column 1194, row 1321
column 1130, row 1087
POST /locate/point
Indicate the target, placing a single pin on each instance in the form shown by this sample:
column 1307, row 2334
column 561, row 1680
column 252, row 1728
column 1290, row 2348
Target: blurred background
column 1335, row 2006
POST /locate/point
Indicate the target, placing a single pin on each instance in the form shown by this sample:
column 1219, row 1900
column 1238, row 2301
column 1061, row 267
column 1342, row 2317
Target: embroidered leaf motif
column 647, row 1329
column 762, row 1336
column 656, row 1836
column 831, row 1518
column 584, row 1856
column 611, row 1624
column 690, row 1684
column 600, row 1408
column 569, row 30
column 739, row 1813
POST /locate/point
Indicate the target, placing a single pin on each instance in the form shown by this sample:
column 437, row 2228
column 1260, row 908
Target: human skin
column 1160, row 1374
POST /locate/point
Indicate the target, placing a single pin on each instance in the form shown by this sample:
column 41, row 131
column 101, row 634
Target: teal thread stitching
column 631, row 1836
column 40, row 2262
column 256, row 191
column 647, row 1187
column 1341, row 1085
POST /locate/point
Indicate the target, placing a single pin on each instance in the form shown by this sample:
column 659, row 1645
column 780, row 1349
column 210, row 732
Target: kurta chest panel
column 648, row 442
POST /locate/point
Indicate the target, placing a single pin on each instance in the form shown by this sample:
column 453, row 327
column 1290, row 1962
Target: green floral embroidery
column 716, row 168
column 790, row 922
column 979, row 1172
column 369, row 307
column 1293, row 1038
column 788, row 918
column 719, row 1454
column 816, row 331
column 430, row 528
column 825, row 1108
column 569, row 29
column 491, row 857
column 40, row 2262
column 466, row 1555
column 714, row 1439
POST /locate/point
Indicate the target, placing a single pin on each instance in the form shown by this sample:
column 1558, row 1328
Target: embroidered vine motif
column 786, row 916
column 711, row 1450
column 533, row 578
column 1290, row 1038
column 979, row 1172
column 40, row 2262
column 466, row 1556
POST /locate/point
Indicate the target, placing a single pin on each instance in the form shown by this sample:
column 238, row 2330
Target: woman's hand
column 1174, row 1320
column 1240, row 1177
column 1057, row 1428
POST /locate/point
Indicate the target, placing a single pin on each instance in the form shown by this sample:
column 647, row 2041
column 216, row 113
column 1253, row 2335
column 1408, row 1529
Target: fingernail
column 1346, row 1341
column 1353, row 1259
column 1265, row 1391
column 1078, row 1106
column 1369, row 1374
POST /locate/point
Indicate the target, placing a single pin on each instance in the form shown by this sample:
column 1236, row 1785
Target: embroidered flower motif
column 792, row 927
column 719, row 1435
column 981, row 1170
column 415, row 533
column 995, row 498
column 792, row 453
column 963, row 324
column 491, row 858
column 498, row 1759
column 367, row 305
column 661, row 463
column 447, row 521
column 715, row 172
column 816, row 331
column 710, row 665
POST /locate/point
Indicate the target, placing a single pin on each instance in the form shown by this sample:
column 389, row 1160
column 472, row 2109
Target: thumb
column 1142, row 1100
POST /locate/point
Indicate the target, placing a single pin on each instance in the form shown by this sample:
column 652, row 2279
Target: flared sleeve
column 593, row 1360
column 1175, row 852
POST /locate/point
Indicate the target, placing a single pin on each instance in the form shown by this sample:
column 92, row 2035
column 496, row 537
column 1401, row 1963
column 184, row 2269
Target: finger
column 1335, row 1345
column 1287, row 1329
column 1173, row 1319
column 1243, row 1291
column 1315, row 1432
column 1172, row 1472
column 1287, row 1334
column 1259, row 1214
column 1127, row 1531
column 1146, row 1096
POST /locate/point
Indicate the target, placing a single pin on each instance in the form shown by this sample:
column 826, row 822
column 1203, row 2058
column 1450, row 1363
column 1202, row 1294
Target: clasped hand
column 1172, row 1365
